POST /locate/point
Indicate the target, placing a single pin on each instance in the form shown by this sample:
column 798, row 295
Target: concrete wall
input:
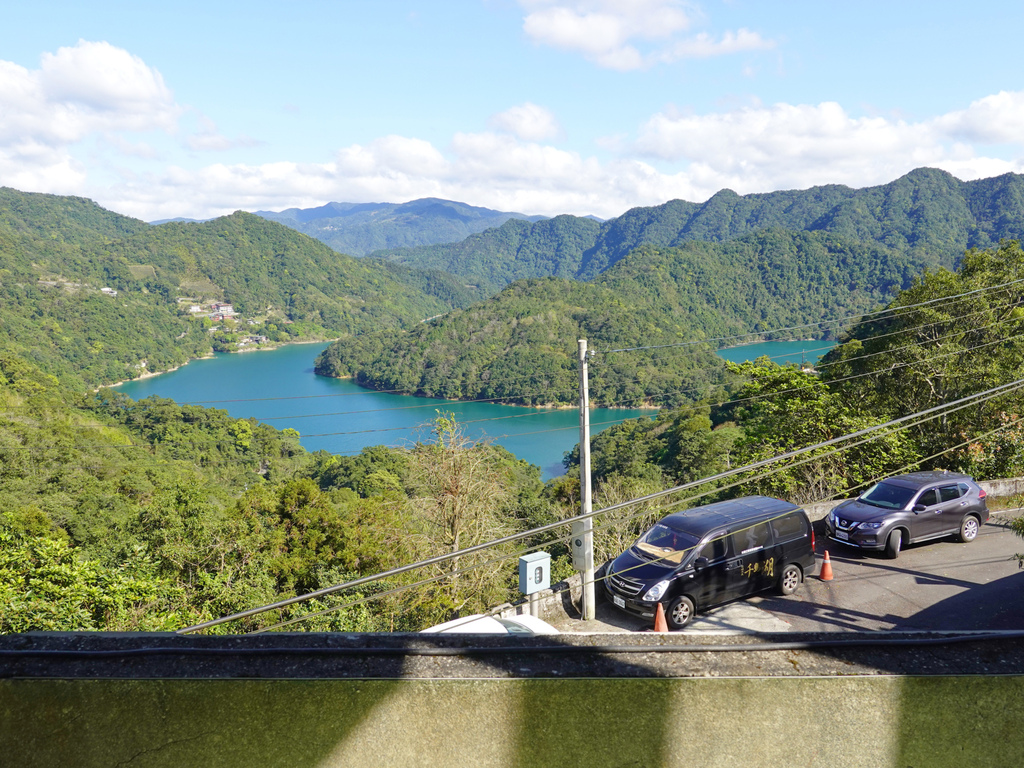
column 874, row 722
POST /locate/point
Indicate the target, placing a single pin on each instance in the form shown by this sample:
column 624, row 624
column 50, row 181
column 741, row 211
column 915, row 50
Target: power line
column 563, row 539
column 964, row 402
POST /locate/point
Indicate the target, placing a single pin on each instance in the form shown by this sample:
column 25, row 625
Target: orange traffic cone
column 826, row 569
column 660, row 625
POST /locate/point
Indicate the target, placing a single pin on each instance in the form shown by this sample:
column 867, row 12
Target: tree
column 46, row 586
column 951, row 335
column 462, row 496
column 782, row 409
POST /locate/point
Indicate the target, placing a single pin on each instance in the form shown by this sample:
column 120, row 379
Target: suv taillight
column 812, row 538
column 981, row 493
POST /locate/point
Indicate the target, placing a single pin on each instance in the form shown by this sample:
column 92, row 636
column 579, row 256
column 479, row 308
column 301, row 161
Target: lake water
column 781, row 352
column 278, row 387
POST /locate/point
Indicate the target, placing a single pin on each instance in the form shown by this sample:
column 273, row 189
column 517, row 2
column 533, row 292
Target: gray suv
column 908, row 509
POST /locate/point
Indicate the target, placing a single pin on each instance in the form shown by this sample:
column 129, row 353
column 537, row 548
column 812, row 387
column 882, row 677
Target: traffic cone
column 826, row 569
column 660, row 625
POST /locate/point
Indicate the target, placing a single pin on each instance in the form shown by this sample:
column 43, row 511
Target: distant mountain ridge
column 357, row 229
column 928, row 214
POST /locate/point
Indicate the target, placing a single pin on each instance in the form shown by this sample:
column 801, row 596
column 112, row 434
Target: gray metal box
column 534, row 572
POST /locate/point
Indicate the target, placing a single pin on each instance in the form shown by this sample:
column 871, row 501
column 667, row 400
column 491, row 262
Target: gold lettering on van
column 768, row 566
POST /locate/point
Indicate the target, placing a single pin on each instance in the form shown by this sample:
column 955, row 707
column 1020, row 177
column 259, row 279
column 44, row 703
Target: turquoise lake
column 278, row 387
column 781, row 352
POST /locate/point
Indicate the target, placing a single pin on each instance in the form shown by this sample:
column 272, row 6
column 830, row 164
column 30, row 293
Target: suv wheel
column 969, row 529
column 679, row 613
column 790, row 579
column 892, row 544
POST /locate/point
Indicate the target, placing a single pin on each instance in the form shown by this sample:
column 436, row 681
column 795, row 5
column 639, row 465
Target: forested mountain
column 514, row 251
column 57, row 253
column 359, row 228
column 929, row 214
column 520, row 345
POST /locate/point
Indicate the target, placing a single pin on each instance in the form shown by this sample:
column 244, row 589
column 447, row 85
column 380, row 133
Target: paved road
column 941, row 585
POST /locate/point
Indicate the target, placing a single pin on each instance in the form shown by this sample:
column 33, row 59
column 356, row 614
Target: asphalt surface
column 940, row 586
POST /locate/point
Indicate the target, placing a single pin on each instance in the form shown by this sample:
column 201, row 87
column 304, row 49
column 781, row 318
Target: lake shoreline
column 342, row 418
column 265, row 348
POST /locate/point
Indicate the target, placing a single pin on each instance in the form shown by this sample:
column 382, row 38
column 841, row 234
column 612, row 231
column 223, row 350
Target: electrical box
column 582, row 554
column 534, row 572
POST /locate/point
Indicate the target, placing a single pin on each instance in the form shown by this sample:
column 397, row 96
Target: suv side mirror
column 920, row 507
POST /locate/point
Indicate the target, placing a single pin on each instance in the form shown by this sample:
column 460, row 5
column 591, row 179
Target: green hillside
column 150, row 516
column 515, row 250
column 520, row 345
column 58, row 254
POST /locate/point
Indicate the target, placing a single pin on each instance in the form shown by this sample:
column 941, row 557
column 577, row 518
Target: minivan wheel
column 790, row 579
column 679, row 613
column 892, row 544
column 969, row 529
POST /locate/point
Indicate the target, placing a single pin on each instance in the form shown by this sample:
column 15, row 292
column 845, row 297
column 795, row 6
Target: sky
column 593, row 107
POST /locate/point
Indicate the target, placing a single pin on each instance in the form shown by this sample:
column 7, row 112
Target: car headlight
column 870, row 525
column 654, row 593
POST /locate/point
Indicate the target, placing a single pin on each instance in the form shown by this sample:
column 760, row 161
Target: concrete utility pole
column 583, row 530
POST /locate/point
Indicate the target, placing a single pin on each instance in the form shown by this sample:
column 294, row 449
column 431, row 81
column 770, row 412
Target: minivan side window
column 750, row 538
column 788, row 527
column 715, row 549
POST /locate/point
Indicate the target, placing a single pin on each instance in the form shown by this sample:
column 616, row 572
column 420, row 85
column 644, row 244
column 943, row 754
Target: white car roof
column 523, row 624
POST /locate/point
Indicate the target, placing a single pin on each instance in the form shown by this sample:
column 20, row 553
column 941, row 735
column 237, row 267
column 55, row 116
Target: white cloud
column 704, row 46
column 106, row 82
column 527, row 121
column 751, row 149
column 209, row 139
column 91, row 89
column 797, row 146
column 74, row 127
column 628, row 34
column 995, row 119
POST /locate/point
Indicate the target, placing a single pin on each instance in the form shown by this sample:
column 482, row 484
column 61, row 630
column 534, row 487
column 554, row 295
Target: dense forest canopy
column 58, row 254
column 520, row 345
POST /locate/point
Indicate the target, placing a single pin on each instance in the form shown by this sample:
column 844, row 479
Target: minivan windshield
column 666, row 543
column 887, row 496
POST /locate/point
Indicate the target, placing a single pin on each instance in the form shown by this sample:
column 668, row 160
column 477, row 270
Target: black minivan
column 701, row 557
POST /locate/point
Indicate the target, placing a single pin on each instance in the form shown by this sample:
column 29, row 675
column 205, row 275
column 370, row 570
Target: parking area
column 939, row 586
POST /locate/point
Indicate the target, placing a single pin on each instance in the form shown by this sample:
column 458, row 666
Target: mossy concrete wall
column 877, row 721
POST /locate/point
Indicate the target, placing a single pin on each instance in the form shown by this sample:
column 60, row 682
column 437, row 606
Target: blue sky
column 538, row 106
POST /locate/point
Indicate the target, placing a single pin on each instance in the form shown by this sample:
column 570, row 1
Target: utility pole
column 583, row 530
